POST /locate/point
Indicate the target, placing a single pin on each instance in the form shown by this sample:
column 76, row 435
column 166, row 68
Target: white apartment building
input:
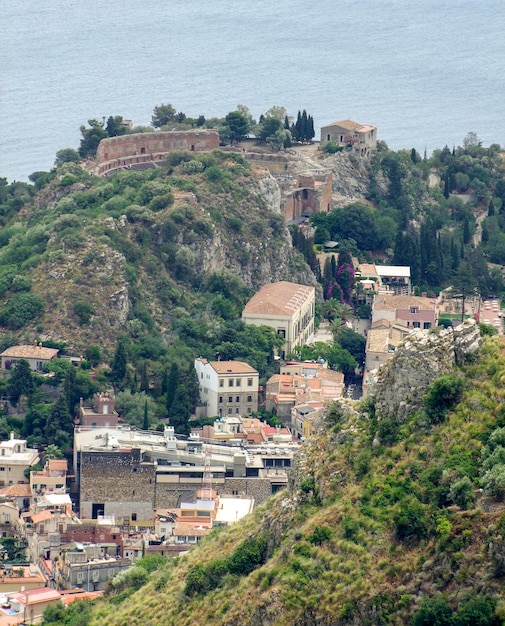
column 227, row 387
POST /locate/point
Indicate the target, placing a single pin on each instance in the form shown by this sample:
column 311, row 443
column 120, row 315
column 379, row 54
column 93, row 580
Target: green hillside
column 366, row 533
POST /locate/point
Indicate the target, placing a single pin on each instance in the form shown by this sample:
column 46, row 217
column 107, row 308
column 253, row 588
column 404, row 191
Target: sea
column 425, row 72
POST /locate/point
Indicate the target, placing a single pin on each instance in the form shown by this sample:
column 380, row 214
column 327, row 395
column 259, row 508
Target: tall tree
column 162, row 115
column 180, row 412
column 91, row 137
column 21, row 381
column 237, row 126
column 173, row 383
column 118, row 369
column 145, row 424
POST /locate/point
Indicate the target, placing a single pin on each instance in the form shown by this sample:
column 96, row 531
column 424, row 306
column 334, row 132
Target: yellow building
column 286, row 307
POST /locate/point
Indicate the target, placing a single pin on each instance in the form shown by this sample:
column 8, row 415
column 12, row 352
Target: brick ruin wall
column 119, row 152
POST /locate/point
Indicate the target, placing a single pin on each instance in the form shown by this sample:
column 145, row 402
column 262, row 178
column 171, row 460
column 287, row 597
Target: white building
column 227, row 387
column 15, row 458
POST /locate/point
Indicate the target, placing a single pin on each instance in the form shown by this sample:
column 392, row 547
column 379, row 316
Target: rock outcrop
column 399, row 385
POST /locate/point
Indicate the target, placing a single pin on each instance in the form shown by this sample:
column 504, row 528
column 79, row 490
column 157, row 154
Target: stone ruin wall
column 127, row 150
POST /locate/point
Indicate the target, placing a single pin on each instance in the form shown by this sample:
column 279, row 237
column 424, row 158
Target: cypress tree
column 144, row 378
column 446, row 187
column 311, row 132
column 145, row 424
column 304, row 126
column 118, row 369
column 286, row 123
column 491, row 209
column 173, row 382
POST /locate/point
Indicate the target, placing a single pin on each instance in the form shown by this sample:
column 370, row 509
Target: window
column 249, row 410
column 238, row 382
column 230, row 382
column 237, row 410
column 80, row 577
column 427, row 325
column 281, row 332
column 414, row 309
column 328, row 137
column 249, row 382
column 201, row 375
column 221, row 383
column 134, row 517
column 230, row 399
column 416, row 324
column 2, row 469
column 220, row 399
column 249, row 398
column 237, row 398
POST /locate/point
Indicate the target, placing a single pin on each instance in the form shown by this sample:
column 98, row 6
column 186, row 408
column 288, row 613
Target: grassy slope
column 357, row 571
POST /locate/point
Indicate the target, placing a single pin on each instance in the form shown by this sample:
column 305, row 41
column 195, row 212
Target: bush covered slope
column 85, row 259
column 368, row 533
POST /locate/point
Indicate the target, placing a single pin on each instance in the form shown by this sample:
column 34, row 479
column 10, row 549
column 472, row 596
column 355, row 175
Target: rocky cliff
column 399, row 385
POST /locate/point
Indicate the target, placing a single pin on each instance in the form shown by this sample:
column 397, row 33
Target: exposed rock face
column 270, row 191
column 399, row 385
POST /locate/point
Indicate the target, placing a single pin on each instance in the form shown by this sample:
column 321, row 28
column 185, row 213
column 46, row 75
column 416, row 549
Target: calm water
column 425, row 73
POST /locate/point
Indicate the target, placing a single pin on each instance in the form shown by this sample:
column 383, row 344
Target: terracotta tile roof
column 34, row 596
column 347, row 124
column 57, row 464
column 188, row 530
column 41, row 517
column 281, row 298
column 392, row 303
column 30, row 352
column 232, row 367
column 17, row 491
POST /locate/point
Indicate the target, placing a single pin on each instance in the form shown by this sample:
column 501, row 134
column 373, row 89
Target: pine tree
column 21, row 381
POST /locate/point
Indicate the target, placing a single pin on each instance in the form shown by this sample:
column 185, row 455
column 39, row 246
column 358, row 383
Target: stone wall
column 168, row 495
column 119, row 481
column 128, row 150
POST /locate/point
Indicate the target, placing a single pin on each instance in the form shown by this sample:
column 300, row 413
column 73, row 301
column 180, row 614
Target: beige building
column 36, row 355
column 227, row 387
column 52, row 479
column 286, row 307
column 358, row 138
column 15, row 458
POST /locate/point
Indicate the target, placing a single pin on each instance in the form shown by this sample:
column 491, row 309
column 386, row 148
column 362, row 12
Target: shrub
column 477, row 611
column 461, row 493
column 388, row 430
column 493, row 482
column 320, row 535
column 331, row 147
column 21, row 309
column 433, row 612
column 442, row 396
column 409, row 520
column 84, row 311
